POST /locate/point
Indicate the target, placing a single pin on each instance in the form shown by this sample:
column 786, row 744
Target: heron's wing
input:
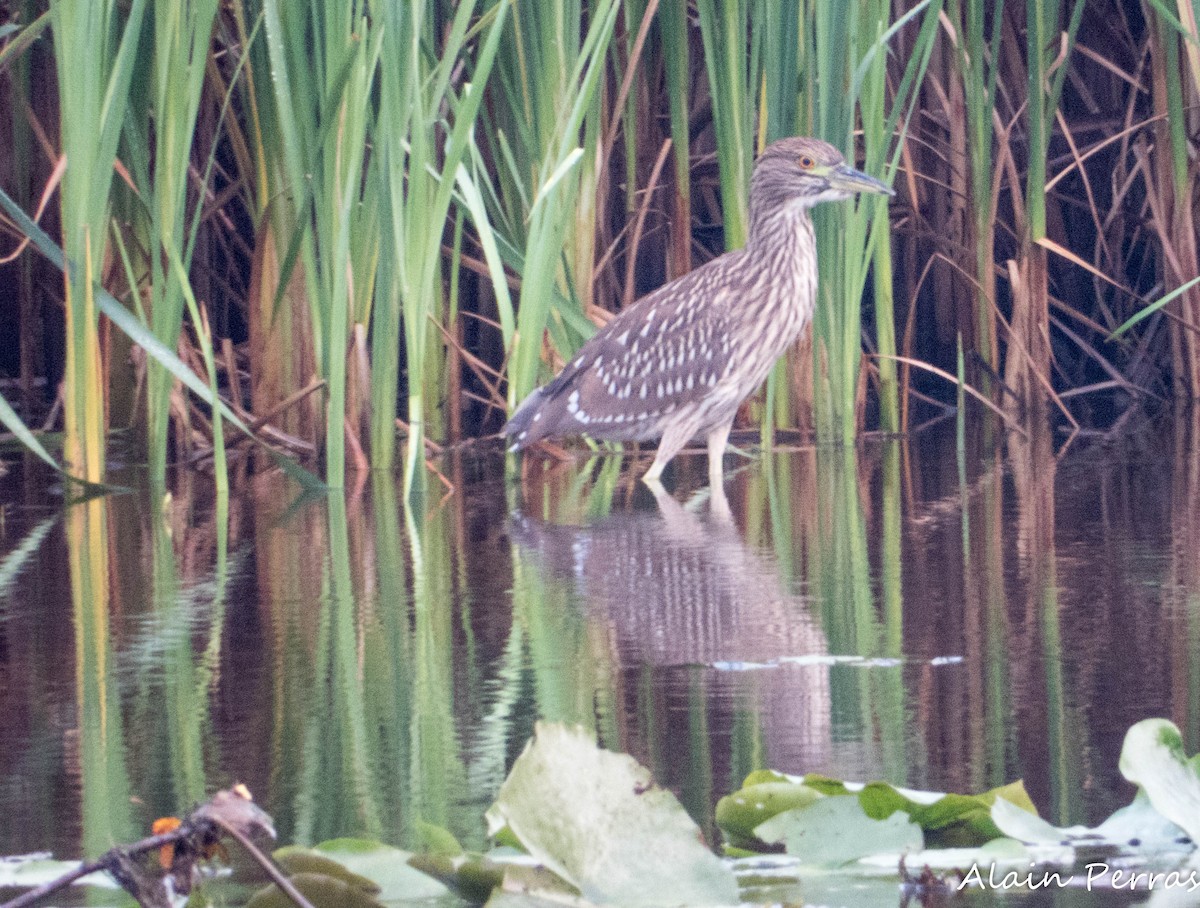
column 669, row 349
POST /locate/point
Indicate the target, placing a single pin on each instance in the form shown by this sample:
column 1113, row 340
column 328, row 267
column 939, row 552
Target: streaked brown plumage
column 678, row 362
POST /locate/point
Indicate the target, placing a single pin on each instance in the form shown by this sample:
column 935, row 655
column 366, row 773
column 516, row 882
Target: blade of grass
column 141, row 335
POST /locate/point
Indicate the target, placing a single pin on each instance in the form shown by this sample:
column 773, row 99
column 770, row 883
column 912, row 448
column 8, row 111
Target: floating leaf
column 1153, row 757
column 294, row 859
column 385, row 866
column 1026, row 827
column 528, row 886
column 872, row 880
column 948, row 820
column 1002, row 852
column 1139, row 827
column 438, row 839
column 836, row 830
column 1135, row 830
column 963, row 821
column 760, row 776
column 472, row 876
column 596, row 819
column 322, row 891
column 25, row 871
column 740, row 813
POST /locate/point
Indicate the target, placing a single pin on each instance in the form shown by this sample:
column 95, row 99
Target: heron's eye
column 806, row 162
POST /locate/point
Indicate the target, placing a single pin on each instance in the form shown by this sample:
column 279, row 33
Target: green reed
column 1046, row 73
column 976, row 60
column 419, row 157
column 280, row 345
column 543, row 134
column 1028, row 366
column 323, row 58
column 95, row 53
column 174, row 76
column 673, row 34
column 882, row 149
column 732, row 77
column 844, row 63
column 1175, row 68
column 346, row 131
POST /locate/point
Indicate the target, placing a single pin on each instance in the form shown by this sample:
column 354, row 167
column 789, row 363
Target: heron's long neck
column 783, row 246
column 779, row 285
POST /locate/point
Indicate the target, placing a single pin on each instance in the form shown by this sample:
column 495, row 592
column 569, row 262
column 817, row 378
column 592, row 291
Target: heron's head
column 805, row 172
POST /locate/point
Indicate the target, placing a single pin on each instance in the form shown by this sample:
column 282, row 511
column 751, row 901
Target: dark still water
column 939, row 618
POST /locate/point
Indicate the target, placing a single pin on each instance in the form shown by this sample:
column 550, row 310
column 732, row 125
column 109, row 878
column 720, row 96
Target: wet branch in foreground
column 195, row 839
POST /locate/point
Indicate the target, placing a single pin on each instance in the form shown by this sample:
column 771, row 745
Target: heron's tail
column 518, row 427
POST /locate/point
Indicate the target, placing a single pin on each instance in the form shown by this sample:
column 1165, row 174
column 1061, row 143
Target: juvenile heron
column 678, row 362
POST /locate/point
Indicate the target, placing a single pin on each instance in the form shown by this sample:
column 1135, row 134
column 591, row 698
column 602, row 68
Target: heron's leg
column 716, row 453
column 672, row 442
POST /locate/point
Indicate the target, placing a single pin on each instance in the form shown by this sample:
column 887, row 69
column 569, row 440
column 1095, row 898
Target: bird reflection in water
column 674, row 587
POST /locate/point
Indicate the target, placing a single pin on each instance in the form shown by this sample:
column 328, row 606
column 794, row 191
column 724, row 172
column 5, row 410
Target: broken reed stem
column 104, row 862
column 201, row 829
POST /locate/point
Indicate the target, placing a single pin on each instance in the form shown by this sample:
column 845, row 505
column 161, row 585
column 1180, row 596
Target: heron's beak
column 846, row 179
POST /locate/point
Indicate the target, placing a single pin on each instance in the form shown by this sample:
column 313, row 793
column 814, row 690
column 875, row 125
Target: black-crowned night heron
column 678, row 362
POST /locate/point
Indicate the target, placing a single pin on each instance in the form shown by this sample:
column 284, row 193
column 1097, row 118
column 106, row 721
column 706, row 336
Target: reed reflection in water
column 940, row 615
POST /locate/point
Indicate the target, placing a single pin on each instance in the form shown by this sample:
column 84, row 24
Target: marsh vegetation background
column 352, row 223
column 361, row 231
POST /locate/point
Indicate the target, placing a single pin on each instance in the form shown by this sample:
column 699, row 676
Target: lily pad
column 948, row 820
column 740, row 813
column 384, row 865
column 964, row 821
column 472, row 876
column 1153, row 757
column 295, row 859
column 438, row 839
column 835, row 831
column 27, row 871
column 321, row 890
column 1135, row 830
column 596, row 819
column 531, row 886
column 1026, row 827
column 1002, row 852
